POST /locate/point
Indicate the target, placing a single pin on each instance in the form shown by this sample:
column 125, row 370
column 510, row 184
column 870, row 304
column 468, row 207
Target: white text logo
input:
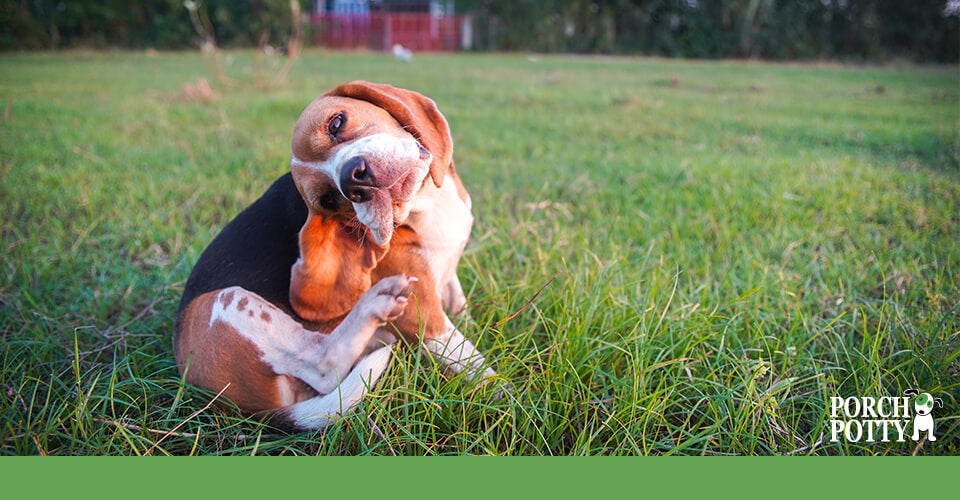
column 884, row 419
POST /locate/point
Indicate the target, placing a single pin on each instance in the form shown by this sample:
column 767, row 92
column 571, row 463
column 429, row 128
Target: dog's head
column 363, row 150
column 923, row 404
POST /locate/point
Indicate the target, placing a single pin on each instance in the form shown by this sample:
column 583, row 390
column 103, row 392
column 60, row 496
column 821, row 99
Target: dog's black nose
column 357, row 181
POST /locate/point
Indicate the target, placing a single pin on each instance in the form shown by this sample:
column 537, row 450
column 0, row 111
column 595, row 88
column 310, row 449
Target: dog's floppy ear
column 416, row 113
column 333, row 270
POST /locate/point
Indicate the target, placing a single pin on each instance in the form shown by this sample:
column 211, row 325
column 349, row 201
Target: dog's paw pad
column 398, row 286
column 392, row 295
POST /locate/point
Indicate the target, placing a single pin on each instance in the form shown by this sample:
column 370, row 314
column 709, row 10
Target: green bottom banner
column 472, row 477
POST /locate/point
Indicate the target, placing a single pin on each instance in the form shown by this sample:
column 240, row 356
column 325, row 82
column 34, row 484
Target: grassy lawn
column 730, row 245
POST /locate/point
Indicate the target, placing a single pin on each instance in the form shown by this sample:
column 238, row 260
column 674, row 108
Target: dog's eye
column 333, row 128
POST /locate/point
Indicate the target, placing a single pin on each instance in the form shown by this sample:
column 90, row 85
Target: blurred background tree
column 921, row 30
column 161, row 24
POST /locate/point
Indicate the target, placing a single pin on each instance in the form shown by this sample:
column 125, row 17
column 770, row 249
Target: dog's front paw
column 388, row 298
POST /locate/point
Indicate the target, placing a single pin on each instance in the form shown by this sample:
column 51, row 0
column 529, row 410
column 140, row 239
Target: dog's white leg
column 320, row 360
column 337, row 353
column 321, row 411
column 457, row 354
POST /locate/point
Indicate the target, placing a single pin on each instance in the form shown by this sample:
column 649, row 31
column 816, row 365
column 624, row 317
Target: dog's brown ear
column 334, row 269
column 416, row 113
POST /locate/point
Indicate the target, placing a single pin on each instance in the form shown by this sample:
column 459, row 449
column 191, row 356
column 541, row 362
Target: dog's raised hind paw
column 388, row 298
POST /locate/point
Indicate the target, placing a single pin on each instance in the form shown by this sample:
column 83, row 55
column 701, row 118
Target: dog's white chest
column 443, row 222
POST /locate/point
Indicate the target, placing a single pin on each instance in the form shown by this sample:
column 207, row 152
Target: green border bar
column 473, row 477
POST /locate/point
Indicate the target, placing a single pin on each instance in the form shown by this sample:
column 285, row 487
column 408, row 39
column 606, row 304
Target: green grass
column 733, row 244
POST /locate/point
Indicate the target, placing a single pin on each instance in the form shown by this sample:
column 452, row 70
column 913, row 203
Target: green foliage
column 732, row 245
column 147, row 23
column 770, row 29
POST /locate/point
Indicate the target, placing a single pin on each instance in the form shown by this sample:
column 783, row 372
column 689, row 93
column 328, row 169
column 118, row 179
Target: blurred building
column 420, row 26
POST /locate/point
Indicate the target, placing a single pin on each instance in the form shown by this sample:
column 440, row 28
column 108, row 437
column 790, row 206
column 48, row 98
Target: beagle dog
column 292, row 308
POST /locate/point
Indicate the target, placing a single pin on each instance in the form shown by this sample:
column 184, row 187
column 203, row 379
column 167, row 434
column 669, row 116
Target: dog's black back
column 255, row 250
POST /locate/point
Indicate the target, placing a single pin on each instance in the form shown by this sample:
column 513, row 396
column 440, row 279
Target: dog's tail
column 321, row 411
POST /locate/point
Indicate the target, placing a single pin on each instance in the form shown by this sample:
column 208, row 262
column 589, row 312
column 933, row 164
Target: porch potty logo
column 883, row 419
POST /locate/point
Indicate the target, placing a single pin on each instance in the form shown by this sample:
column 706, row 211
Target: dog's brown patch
column 226, row 299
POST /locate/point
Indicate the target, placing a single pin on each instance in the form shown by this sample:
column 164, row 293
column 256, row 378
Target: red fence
column 417, row 32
